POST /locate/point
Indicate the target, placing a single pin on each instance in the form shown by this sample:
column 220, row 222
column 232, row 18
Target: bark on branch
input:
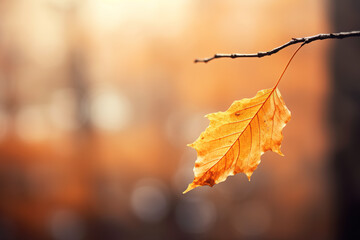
column 304, row 40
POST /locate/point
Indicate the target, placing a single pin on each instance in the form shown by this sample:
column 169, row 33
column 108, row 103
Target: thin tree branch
column 304, row 40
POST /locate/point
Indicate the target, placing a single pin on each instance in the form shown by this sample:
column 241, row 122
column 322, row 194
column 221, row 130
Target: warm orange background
column 98, row 99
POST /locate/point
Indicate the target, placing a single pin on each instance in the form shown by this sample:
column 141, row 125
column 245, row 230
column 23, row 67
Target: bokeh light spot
column 110, row 110
column 251, row 219
column 62, row 109
column 149, row 201
column 31, row 123
column 66, row 225
column 195, row 215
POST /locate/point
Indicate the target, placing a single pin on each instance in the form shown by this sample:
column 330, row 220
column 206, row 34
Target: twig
column 304, row 40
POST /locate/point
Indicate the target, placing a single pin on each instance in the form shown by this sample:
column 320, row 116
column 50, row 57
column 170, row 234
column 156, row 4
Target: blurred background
column 98, row 99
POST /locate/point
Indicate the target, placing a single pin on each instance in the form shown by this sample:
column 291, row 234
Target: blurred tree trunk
column 345, row 110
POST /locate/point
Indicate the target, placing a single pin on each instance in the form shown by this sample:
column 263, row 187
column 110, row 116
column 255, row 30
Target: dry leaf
column 236, row 139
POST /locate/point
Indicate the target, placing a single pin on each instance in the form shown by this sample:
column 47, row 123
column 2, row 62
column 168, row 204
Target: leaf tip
column 192, row 145
column 278, row 151
column 248, row 175
column 189, row 188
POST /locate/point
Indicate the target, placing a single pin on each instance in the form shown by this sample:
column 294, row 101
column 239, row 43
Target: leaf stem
column 287, row 65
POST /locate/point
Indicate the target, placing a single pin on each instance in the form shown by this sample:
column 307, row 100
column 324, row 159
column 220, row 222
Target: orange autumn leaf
column 236, row 138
